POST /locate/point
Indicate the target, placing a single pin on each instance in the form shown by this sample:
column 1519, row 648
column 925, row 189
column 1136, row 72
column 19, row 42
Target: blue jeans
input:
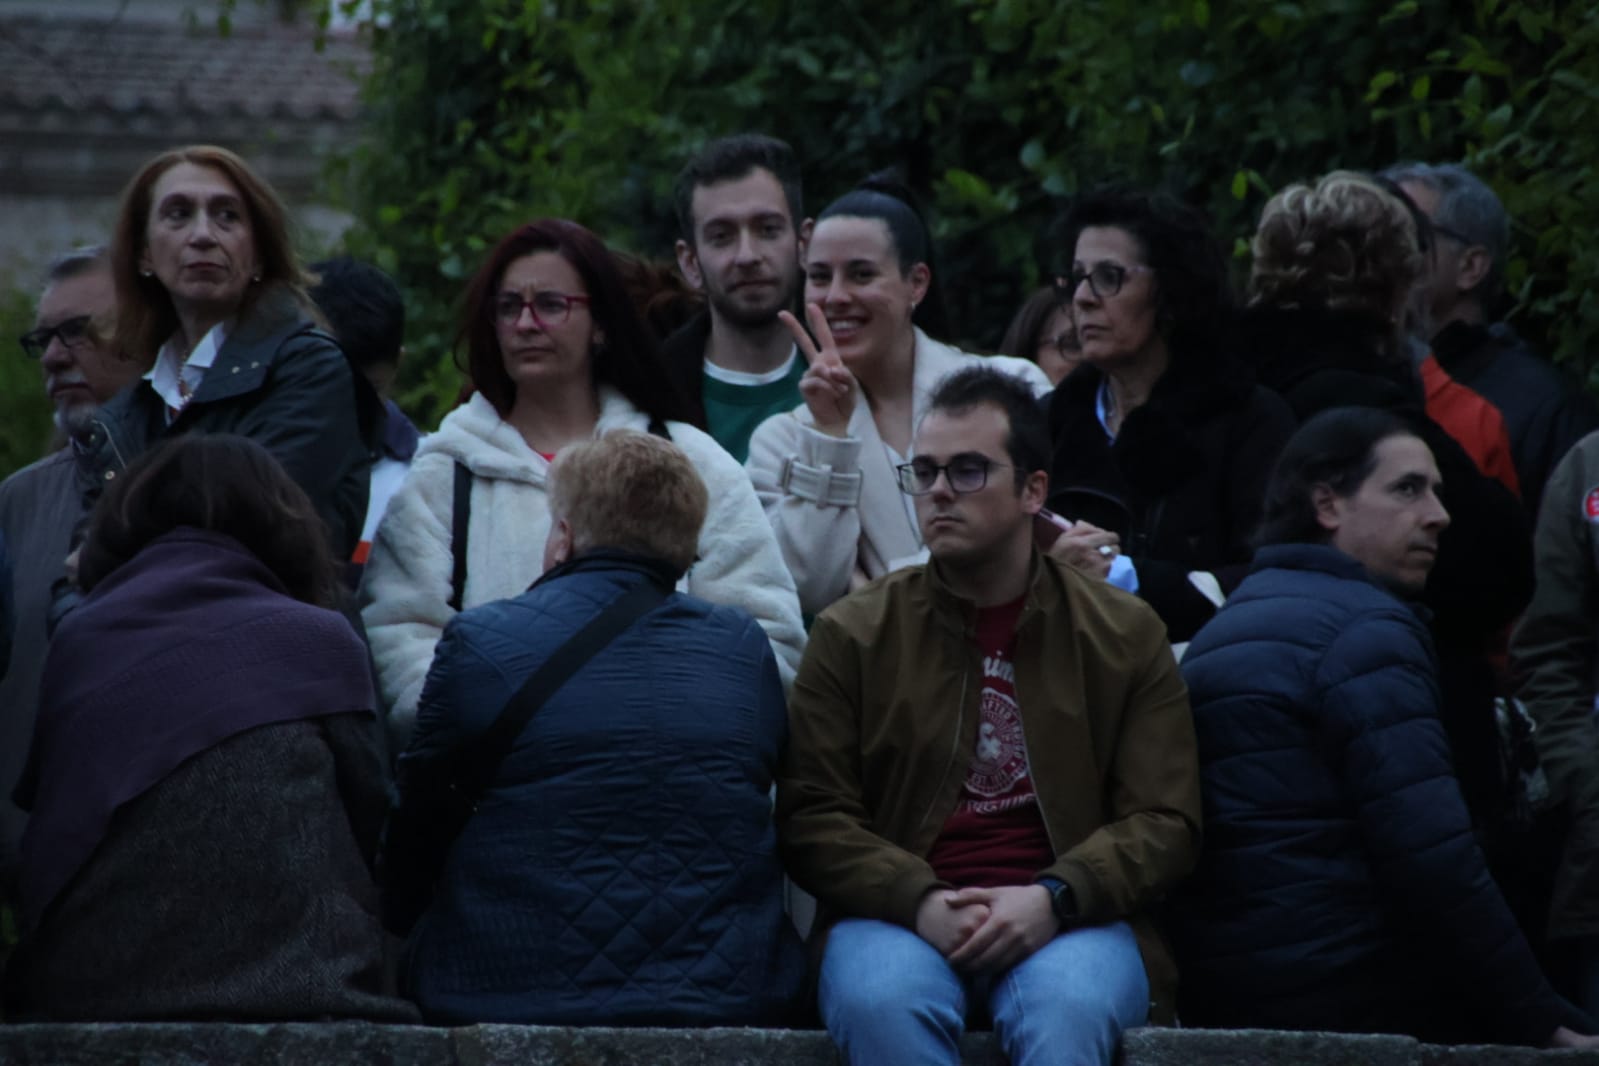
column 888, row 996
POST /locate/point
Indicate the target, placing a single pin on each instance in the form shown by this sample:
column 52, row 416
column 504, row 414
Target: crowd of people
column 739, row 651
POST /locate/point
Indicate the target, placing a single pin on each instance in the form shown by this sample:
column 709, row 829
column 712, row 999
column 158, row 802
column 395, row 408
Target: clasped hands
column 987, row 930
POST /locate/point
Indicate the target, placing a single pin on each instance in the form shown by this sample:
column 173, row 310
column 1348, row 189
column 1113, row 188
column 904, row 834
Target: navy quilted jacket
column 1340, row 886
column 622, row 868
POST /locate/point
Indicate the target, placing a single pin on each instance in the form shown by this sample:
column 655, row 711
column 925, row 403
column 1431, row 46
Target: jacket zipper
column 1032, row 775
column 954, row 751
column 122, row 463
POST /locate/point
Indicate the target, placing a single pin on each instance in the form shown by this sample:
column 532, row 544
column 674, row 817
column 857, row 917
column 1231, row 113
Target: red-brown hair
column 145, row 315
column 629, row 361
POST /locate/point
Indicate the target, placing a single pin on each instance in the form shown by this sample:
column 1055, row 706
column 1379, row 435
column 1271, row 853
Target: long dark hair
column 629, row 361
column 224, row 484
column 1336, row 448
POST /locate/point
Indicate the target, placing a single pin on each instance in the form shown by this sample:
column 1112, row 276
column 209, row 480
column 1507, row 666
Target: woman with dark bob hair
column 1160, row 436
column 207, row 732
column 557, row 353
column 212, row 299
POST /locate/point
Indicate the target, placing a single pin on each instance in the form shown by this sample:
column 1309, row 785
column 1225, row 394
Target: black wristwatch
column 1061, row 899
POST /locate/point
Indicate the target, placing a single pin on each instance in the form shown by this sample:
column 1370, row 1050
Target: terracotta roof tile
column 126, row 66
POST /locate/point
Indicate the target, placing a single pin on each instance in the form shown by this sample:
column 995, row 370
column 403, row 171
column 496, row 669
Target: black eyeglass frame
column 908, row 476
column 1105, row 279
column 72, row 331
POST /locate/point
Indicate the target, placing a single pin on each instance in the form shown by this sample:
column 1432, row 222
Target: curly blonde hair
column 1347, row 244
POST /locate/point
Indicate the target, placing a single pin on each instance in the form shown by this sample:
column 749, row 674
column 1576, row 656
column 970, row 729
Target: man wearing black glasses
column 991, row 773
column 39, row 504
column 1544, row 412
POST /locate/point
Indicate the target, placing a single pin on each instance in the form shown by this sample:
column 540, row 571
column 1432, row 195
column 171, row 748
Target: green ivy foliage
column 25, row 423
column 489, row 112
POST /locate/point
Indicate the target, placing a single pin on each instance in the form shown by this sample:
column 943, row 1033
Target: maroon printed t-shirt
column 996, row 835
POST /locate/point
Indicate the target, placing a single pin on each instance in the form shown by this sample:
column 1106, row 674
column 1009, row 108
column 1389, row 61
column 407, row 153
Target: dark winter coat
column 206, row 786
column 1544, row 412
column 1319, row 359
column 1556, row 653
column 279, row 381
column 1182, row 484
column 621, row 869
column 1341, row 886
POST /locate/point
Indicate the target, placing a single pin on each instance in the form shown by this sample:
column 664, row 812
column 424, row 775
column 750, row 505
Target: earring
column 256, row 277
column 146, row 272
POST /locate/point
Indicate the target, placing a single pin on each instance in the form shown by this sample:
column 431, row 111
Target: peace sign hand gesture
column 828, row 387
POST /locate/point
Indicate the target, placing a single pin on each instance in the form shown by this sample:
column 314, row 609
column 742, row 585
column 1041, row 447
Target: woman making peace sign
column 825, row 471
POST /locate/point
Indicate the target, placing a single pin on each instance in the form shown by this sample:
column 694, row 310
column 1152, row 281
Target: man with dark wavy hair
column 739, row 213
column 1342, row 887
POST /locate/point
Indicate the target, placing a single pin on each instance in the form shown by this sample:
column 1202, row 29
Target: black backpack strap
column 476, row 765
column 658, row 428
column 460, row 518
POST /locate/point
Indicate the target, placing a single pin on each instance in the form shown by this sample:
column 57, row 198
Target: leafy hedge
column 487, row 112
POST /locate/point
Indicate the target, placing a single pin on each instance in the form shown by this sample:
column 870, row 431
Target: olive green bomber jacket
column 1555, row 651
column 883, row 722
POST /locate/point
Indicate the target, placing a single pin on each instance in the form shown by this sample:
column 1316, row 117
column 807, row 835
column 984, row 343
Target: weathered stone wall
column 359, row 1044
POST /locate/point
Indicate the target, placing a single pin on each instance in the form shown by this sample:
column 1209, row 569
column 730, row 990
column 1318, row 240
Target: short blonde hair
column 1347, row 244
column 631, row 491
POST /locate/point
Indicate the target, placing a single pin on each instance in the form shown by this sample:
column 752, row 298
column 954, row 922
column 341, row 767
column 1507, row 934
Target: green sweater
column 733, row 411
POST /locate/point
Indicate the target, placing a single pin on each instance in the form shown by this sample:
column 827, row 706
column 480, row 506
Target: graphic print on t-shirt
column 995, row 835
column 1000, row 762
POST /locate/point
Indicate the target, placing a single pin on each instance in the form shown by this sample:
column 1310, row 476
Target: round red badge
column 1590, row 505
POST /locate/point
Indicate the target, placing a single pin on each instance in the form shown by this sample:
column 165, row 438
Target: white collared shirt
column 176, row 379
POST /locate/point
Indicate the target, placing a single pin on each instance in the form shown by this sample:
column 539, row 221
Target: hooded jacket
column 406, row 589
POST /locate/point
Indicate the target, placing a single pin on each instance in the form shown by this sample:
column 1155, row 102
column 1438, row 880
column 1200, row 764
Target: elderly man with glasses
column 991, row 774
column 1544, row 411
column 40, row 503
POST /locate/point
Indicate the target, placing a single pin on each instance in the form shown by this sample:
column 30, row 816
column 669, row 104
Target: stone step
column 364, row 1044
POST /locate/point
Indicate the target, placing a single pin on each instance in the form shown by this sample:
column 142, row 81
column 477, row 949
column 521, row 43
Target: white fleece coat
column 833, row 548
column 406, row 587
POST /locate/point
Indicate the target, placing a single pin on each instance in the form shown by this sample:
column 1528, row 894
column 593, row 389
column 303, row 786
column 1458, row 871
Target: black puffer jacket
column 1341, row 886
column 1182, row 484
column 279, row 381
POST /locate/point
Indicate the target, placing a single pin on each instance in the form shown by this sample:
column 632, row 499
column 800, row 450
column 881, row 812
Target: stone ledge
column 364, row 1044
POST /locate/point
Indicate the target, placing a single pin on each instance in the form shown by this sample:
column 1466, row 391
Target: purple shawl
column 187, row 644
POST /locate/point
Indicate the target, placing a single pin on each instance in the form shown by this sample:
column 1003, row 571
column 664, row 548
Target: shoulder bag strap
column 460, row 518
column 477, row 764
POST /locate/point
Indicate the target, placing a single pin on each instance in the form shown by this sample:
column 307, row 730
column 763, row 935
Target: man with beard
column 738, row 208
column 39, row 504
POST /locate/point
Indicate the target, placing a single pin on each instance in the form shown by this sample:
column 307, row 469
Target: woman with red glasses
column 557, row 354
